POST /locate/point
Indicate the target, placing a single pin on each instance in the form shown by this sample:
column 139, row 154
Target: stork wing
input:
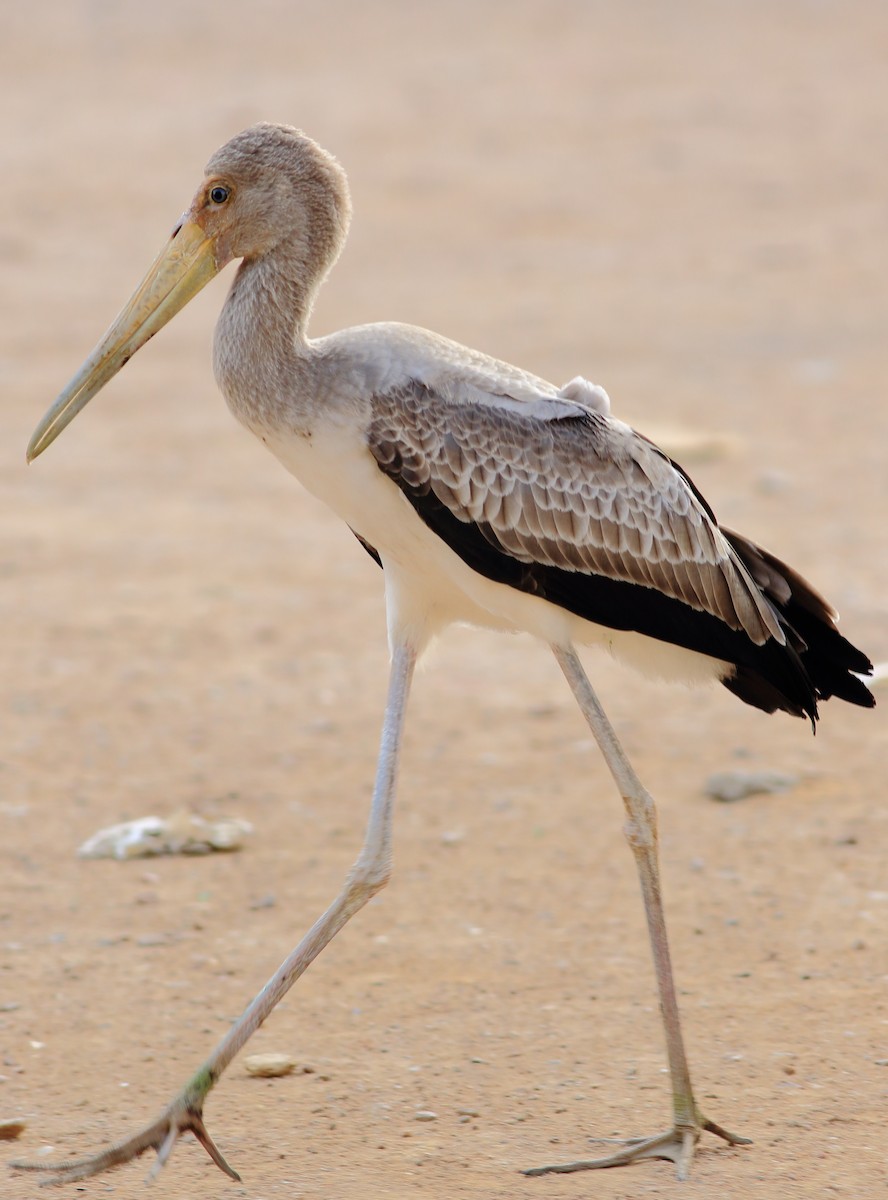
column 555, row 497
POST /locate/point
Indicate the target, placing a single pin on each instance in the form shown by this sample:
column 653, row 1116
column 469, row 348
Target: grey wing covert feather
column 577, row 491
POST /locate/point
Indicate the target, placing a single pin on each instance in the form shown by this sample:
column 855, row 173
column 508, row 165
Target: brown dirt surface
column 687, row 203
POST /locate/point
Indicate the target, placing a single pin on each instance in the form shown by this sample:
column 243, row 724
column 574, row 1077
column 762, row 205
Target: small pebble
column 728, row 786
column 153, row 939
column 11, row 1129
column 773, row 483
column 817, row 370
column 269, row 1066
column 180, row 833
column 696, row 445
column 425, row 1114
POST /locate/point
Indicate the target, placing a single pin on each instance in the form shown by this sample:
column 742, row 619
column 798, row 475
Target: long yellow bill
column 185, row 265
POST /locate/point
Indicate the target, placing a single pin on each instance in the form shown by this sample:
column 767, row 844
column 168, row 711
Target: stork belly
column 428, row 586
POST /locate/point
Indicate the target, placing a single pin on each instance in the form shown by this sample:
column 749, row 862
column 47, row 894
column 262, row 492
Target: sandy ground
column 685, row 202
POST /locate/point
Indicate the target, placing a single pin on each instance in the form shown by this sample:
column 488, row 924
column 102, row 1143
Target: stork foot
column 184, row 1115
column 677, row 1145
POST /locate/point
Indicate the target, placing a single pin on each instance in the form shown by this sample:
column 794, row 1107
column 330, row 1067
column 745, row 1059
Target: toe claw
column 200, row 1132
column 733, row 1139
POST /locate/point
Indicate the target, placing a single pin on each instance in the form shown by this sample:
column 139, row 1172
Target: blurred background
column 688, row 204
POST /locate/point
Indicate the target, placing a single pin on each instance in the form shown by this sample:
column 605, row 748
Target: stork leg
column 369, row 874
column 679, row 1142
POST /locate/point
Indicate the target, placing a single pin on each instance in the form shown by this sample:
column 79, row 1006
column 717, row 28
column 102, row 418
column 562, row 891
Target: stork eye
column 219, row 194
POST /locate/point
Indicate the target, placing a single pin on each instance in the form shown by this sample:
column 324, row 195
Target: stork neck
column 273, row 297
column 261, row 349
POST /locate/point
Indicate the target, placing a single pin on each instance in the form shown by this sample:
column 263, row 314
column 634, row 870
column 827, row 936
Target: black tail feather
column 831, row 663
